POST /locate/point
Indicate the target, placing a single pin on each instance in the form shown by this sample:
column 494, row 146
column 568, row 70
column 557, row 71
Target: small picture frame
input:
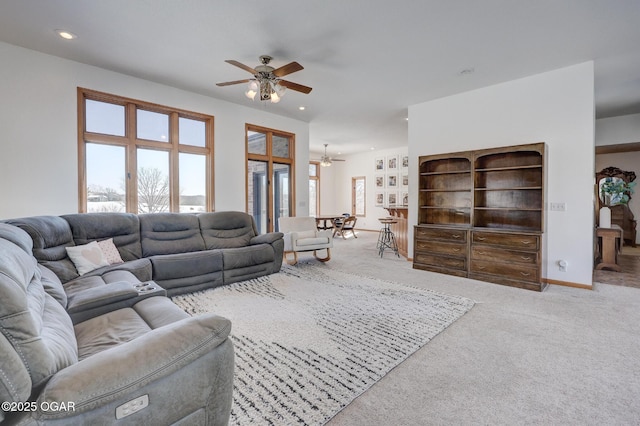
column 392, row 198
column 392, row 181
column 404, row 179
column 392, row 162
column 379, row 181
column 379, row 164
column 404, row 161
column 404, row 198
column 379, row 198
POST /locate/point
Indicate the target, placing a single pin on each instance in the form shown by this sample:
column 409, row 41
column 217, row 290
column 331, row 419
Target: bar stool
column 386, row 238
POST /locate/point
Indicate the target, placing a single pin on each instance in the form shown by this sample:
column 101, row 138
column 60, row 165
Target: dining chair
column 346, row 225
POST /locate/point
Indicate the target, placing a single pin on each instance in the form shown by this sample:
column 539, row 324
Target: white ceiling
column 367, row 60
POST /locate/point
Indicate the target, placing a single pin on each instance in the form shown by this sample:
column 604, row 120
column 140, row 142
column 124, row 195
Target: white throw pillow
column 110, row 251
column 86, row 258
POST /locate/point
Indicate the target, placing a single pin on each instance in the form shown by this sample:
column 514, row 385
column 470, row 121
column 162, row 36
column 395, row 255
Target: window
column 358, row 200
column 314, row 188
column 270, row 168
column 142, row 158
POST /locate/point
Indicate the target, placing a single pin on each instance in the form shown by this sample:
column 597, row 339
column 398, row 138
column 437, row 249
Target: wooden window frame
column 353, row 196
column 131, row 143
column 317, row 179
column 271, row 160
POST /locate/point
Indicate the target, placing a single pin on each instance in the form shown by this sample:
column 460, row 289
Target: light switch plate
column 557, row 207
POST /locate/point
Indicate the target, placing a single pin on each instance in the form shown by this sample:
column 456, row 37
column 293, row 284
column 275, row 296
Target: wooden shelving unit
column 481, row 215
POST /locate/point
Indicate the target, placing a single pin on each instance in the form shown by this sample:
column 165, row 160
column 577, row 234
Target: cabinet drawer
column 507, row 270
column 480, row 252
column 441, row 261
column 517, row 241
column 453, row 249
column 458, row 235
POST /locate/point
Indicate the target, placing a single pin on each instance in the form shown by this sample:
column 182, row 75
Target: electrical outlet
column 557, row 207
column 562, row 265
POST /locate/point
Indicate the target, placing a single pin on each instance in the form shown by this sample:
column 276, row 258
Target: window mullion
column 131, row 161
column 174, row 163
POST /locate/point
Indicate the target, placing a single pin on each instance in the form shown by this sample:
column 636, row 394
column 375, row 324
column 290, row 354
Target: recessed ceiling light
column 406, row 118
column 301, row 108
column 372, row 148
column 66, row 34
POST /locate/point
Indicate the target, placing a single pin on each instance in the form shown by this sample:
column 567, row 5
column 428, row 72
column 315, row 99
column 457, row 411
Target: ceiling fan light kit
column 325, row 160
column 266, row 80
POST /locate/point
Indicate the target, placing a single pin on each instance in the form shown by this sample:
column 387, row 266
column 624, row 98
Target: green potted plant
column 616, row 191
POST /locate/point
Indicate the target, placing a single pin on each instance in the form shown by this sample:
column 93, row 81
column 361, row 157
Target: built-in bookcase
column 481, row 214
column 445, row 191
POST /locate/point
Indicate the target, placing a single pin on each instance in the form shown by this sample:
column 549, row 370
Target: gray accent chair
column 143, row 362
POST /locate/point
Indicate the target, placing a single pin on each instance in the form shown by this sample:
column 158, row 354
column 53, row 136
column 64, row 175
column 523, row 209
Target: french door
column 269, row 176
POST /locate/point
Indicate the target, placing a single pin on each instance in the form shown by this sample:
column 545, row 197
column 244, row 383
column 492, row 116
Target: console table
column 610, row 244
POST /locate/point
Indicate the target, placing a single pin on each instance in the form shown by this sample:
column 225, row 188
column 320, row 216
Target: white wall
column 556, row 107
column 38, row 121
column 335, row 185
column 618, row 130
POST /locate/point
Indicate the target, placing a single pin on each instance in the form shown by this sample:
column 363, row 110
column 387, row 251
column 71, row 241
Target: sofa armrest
column 268, row 238
column 181, row 367
column 95, row 301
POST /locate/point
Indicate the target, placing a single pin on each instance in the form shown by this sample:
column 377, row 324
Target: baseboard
column 567, row 284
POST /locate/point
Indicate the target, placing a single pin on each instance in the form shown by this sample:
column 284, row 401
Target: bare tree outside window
column 153, row 190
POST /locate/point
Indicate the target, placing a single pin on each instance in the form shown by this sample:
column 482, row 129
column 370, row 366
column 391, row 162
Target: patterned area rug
column 309, row 340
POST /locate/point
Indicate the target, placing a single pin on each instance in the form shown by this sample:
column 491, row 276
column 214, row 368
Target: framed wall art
column 404, row 161
column 379, row 164
column 379, row 181
column 392, row 181
column 392, row 198
column 392, row 163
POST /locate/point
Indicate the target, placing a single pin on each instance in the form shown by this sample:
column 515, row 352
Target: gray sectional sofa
column 108, row 347
column 180, row 252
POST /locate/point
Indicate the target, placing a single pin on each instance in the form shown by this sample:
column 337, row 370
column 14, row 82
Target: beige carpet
column 562, row 357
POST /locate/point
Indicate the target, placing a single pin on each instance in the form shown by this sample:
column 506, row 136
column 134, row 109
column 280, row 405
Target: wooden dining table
column 327, row 221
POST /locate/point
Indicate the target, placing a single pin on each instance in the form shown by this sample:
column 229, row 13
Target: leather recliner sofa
column 140, row 360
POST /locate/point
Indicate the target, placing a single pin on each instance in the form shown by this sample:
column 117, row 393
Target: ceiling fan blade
column 287, row 69
column 243, row 66
column 337, row 159
column 295, row 86
column 229, row 83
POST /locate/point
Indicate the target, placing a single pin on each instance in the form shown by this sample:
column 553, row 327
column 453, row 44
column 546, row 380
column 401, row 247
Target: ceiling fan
column 325, row 160
column 266, row 80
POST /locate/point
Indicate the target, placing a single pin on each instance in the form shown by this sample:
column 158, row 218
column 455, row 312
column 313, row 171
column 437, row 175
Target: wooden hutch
column 481, row 215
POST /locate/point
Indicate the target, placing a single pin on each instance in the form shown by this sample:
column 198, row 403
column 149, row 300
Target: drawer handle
column 525, row 242
column 525, row 257
column 480, row 267
column 525, row 274
column 456, row 250
column 481, row 253
column 480, row 238
column 456, row 236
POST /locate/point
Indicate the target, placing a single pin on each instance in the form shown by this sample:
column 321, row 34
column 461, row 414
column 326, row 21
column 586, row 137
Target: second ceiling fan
column 266, row 80
column 325, row 160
